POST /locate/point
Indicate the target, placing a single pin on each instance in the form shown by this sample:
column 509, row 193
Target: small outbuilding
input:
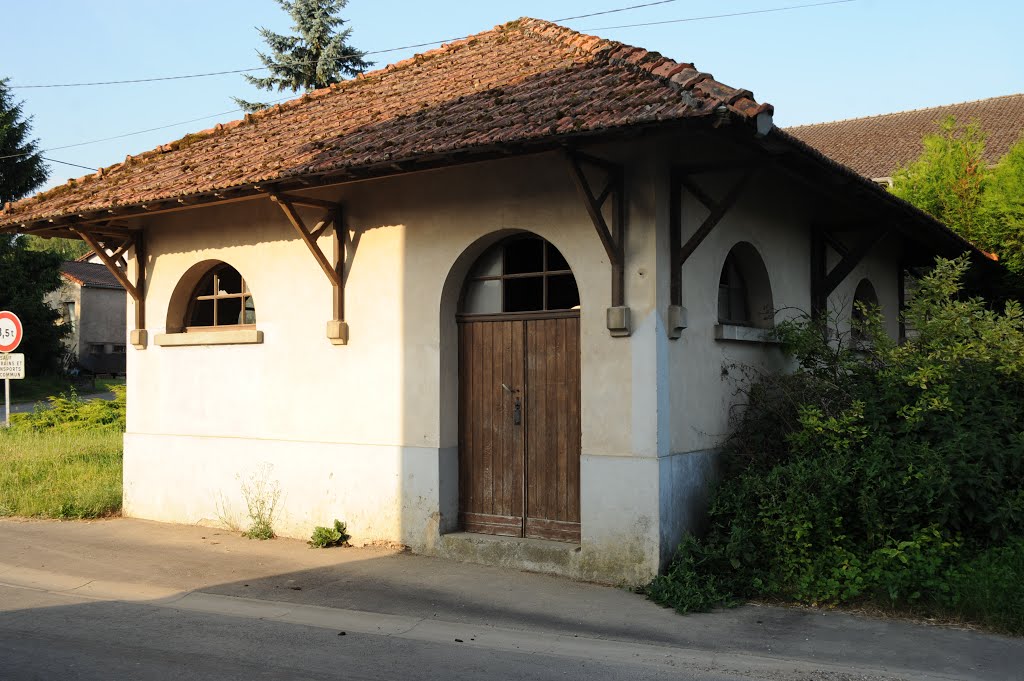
column 91, row 302
column 488, row 302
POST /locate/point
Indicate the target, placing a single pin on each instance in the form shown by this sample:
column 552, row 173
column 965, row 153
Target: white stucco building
column 487, row 303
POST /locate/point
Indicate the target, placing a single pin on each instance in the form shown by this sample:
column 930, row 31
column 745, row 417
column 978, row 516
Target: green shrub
column 989, row 589
column 876, row 472
column 70, row 412
column 325, row 537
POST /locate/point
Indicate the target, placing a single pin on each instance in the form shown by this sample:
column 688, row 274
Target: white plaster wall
column 368, row 430
column 775, row 215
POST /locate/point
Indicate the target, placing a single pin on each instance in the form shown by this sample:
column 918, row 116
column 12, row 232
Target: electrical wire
column 141, row 132
column 210, row 74
column 53, row 160
column 723, row 16
column 385, row 51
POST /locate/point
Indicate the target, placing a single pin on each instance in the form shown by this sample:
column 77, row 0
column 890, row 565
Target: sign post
column 11, row 366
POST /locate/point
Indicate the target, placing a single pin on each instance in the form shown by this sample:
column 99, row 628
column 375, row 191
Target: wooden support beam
column 337, row 329
column 901, row 299
column 819, row 268
column 139, row 243
column 337, row 219
column 306, row 201
column 101, row 253
column 321, row 227
column 718, row 211
column 612, row 236
column 851, row 260
column 307, row 238
column 675, row 236
column 594, row 209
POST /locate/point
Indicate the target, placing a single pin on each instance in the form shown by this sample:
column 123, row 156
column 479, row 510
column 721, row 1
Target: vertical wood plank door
column 553, row 429
column 491, row 445
column 520, row 477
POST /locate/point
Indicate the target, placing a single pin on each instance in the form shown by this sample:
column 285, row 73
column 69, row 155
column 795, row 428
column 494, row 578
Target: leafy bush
column 70, row 412
column 325, row 537
column 876, row 471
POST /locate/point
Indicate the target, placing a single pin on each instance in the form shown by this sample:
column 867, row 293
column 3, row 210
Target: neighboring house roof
column 877, row 146
column 90, row 275
column 518, row 83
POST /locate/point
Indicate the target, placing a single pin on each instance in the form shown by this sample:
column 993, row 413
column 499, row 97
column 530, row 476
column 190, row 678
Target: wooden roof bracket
column 337, row 328
column 613, row 237
column 824, row 281
column 116, row 263
column 680, row 179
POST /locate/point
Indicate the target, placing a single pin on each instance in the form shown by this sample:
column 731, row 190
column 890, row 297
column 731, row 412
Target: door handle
column 517, row 412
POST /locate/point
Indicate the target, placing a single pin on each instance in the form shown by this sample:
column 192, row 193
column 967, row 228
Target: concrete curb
column 428, row 630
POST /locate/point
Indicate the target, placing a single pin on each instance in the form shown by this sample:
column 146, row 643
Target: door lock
column 517, row 412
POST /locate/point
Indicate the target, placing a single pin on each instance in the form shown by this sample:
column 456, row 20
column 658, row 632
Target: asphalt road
column 44, row 635
column 133, row 599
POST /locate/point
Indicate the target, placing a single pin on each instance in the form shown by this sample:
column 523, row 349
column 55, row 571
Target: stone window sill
column 233, row 337
column 744, row 334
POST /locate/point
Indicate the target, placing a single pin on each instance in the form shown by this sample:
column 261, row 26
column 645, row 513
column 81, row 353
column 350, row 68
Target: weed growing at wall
column 261, row 500
column 325, row 537
column 881, row 473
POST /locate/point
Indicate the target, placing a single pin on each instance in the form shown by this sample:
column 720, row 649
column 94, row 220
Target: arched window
column 864, row 301
column 221, row 300
column 733, row 306
column 520, row 274
column 744, row 290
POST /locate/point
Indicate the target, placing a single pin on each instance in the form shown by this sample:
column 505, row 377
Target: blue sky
column 823, row 63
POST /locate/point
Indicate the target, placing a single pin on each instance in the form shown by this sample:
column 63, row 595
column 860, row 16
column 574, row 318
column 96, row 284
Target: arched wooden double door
column 519, row 394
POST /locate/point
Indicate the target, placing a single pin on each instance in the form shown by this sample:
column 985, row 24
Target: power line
column 53, row 160
column 211, row 74
column 723, row 16
column 138, row 132
column 393, row 49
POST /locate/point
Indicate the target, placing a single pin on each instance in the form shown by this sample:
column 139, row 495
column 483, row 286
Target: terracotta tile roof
column 525, row 81
column 89, row 274
column 878, row 145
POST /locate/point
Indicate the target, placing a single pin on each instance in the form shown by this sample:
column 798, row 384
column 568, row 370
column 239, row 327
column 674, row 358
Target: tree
column 949, row 179
column 1004, row 206
column 26, row 276
column 316, row 57
column 67, row 249
column 21, row 167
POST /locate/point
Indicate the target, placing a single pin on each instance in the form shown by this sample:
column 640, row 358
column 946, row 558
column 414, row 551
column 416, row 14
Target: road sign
column 12, row 365
column 10, row 331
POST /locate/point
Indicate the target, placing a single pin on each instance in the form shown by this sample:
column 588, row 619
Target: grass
column 60, row 473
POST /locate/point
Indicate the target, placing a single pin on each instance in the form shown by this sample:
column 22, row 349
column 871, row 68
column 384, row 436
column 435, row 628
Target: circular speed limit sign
column 10, row 331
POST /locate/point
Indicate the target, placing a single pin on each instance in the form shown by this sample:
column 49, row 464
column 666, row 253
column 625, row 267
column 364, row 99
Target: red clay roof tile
column 524, row 81
column 879, row 145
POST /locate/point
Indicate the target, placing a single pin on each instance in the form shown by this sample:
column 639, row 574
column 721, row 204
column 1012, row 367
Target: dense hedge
column 877, row 472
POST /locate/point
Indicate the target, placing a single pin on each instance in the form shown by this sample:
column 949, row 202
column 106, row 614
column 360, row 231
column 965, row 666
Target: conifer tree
column 317, row 55
column 26, row 276
column 21, row 167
